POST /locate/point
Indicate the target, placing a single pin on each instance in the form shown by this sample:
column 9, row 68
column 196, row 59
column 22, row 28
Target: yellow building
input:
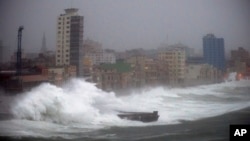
column 148, row 71
column 87, row 68
column 175, row 59
column 58, row 75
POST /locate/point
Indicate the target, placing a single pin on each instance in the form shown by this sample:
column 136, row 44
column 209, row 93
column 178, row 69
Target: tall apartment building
column 69, row 39
column 175, row 58
column 213, row 51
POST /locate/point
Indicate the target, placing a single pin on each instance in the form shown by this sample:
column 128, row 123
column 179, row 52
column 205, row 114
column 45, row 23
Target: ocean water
column 80, row 111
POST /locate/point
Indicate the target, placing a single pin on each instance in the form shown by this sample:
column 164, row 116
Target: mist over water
column 79, row 106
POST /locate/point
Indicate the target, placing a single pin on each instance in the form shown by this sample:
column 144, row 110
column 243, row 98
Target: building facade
column 239, row 61
column 200, row 73
column 175, row 58
column 58, row 75
column 147, row 71
column 69, row 39
column 90, row 46
column 101, row 57
column 213, row 51
column 111, row 77
column 240, row 54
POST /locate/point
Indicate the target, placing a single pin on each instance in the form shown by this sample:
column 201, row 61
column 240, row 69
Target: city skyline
column 122, row 25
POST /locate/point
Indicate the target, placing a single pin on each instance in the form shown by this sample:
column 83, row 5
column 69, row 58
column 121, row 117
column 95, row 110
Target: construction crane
column 19, row 52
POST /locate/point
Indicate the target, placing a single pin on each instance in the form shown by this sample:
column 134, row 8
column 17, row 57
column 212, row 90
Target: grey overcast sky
column 128, row 24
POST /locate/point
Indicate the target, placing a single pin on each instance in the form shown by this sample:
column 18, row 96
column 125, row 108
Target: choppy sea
column 80, row 111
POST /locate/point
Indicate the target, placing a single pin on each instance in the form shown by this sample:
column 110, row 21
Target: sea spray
column 81, row 103
column 70, row 104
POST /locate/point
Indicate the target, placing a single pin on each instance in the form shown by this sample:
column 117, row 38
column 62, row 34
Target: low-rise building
column 90, row 46
column 239, row 62
column 113, row 76
column 58, row 75
column 156, row 72
column 148, row 71
column 201, row 73
column 101, row 57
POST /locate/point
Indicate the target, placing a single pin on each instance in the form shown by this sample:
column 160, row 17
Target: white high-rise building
column 69, row 39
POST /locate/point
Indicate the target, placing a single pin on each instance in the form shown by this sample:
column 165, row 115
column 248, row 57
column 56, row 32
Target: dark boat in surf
column 139, row 116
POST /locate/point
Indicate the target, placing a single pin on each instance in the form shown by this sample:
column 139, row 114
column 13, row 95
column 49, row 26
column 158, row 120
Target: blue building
column 213, row 51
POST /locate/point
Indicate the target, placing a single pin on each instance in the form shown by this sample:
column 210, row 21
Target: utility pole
column 19, row 52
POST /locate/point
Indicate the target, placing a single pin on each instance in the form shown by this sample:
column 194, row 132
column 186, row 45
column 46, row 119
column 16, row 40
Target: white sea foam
column 81, row 105
column 81, row 102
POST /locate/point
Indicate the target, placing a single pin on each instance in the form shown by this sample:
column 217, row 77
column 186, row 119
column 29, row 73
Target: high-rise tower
column 214, row 52
column 69, row 39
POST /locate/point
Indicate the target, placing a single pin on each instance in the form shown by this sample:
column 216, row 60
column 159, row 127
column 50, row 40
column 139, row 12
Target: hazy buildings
column 58, row 75
column 101, row 57
column 113, row 76
column 198, row 72
column 213, row 51
column 175, row 58
column 241, row 55
column 147, row 71
column 90, row 46
column 240, row 61
column 93, row 52
column 69, row 39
